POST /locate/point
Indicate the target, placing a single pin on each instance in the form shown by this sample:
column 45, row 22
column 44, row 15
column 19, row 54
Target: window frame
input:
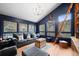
column 31, row 28
column 23, row 24
column 40, row 30
column 9, row 24
column 53, row 31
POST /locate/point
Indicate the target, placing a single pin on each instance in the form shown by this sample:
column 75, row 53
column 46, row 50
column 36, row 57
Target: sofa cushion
column 25, row 36
column 50, row 39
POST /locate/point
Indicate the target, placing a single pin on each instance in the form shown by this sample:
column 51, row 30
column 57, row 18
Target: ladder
column 62, row 25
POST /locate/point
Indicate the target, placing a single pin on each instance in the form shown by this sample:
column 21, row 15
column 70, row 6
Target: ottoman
column 63, row 44
column 41, row 42
column 34, row 51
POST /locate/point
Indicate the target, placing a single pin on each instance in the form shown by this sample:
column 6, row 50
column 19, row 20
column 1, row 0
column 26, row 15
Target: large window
column 51, row 28
column 66, row 26
column 22, row 27
column 32, row 28
column 10, row 26
column 42, row 29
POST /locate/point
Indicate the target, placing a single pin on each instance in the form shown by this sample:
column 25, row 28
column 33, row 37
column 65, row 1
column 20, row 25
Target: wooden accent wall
column 76, row 20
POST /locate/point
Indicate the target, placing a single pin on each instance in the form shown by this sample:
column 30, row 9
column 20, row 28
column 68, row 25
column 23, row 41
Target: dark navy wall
column 37, row 28
column 62, row 9
column 13, row 19
column 9, row 18
column 1, row 26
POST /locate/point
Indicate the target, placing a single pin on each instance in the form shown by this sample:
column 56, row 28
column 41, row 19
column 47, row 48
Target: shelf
column 77, row 20
column 77, row 23
column 77, row 32
column 77, row 17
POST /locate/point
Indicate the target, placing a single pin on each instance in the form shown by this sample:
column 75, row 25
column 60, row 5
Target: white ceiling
column 27, row 11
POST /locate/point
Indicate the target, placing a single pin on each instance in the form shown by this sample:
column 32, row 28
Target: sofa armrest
column 8, row 51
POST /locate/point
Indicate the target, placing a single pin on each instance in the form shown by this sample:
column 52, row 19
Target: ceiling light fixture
column 38, row 10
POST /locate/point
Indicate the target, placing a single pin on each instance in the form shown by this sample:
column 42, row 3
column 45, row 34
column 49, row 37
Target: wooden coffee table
column 40, row 42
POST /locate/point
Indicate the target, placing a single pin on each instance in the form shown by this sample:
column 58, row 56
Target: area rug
column 43, row 48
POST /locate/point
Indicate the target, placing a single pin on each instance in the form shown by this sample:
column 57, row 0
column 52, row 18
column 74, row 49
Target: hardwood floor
column 55, row 50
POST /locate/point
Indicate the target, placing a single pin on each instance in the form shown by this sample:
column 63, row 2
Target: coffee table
column 40, row 42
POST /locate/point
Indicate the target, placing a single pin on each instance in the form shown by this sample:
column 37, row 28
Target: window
column 32, row 28
column 42, row 29
column 66, row 26
column 42, row 32
column 51, row 28
column 22, row 27
column 66, row 35
column 10, row 26
column 50, row 33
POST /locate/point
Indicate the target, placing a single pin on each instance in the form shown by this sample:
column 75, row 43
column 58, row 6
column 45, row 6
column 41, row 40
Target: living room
column 39, row 29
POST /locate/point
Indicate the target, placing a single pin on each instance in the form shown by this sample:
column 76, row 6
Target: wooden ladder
column 62, row 25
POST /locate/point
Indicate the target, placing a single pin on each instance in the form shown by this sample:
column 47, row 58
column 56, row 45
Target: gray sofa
column 23, row 41
column 20, row 41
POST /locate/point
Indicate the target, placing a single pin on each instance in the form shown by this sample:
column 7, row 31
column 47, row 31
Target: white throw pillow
column 28, row 36
column 20, row 36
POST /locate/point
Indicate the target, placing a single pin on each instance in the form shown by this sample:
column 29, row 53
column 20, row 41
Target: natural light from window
column 62, row 17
